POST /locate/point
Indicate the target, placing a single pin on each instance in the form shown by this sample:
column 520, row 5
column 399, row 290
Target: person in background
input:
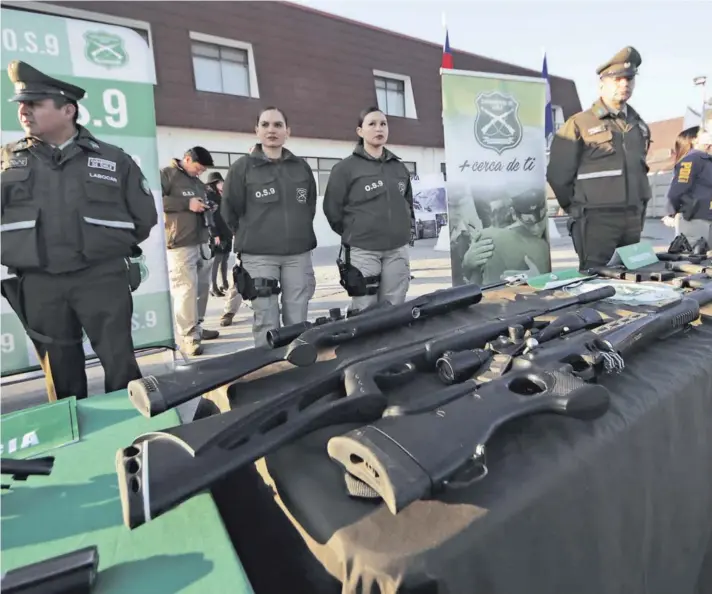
column 184, row 205
column 690, row 193
column 74, row 209
column 269, row 199
column 597, row 166
column 222, row 236
column 369, row 202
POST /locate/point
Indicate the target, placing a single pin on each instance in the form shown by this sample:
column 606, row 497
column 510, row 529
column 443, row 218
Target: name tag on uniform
column 96, row 163
column 103, row 177
column 18, row 162
column 188, row 193
column 596, row 130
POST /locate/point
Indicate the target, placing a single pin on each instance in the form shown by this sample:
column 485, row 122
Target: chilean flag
column 548, row 113
column 447, row 54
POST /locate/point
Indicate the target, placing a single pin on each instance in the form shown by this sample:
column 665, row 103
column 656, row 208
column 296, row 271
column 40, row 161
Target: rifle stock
column 397, row 457
column 411, row 457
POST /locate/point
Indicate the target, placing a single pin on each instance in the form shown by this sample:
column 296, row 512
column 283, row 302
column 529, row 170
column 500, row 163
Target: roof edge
column 351, row 21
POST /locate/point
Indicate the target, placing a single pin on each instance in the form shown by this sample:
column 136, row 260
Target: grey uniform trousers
column 296, row 279
column 189, row 276
column 394, row 268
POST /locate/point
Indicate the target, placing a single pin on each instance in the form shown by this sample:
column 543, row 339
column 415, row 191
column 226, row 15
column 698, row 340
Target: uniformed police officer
column 690, row 193
column 73, row 209
column 369, row 203
column 187, row 236
column 269, row 199
column 520, row 248
column 597, row 166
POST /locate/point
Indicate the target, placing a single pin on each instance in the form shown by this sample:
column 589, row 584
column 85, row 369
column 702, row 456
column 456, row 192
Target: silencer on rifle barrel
column 455, row 367
column 304, row 350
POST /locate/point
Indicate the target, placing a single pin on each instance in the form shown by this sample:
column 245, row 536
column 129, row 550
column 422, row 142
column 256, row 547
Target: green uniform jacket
column 515, row 248
column 64, row 210
column 270, row 204
column 183, row 226
column 597, row 160
column 369, row 202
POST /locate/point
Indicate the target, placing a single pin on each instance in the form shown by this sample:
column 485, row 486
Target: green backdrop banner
column 115, row 65
column 496, row 175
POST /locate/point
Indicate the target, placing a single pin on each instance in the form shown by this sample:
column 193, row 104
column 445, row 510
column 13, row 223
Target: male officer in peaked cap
column 73, row 209
column 597, row 166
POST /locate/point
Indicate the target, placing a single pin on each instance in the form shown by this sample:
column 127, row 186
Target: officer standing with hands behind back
column 597, row 166
column 73, row 209
column 269, row 199
column 369, row 203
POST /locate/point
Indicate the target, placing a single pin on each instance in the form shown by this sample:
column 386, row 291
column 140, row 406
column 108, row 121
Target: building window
column 412, row 167
column 222, row 162
column 394, row 93
column 322, row 170
column 443, row 170
column 391, row 96
column 223, row 66
column 221, row 69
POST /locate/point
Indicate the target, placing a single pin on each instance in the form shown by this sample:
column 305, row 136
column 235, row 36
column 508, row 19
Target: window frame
column 197, row 37
column 409, row 109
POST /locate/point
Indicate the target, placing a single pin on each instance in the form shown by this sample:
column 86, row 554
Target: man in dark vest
column 597, row 166
column 74, row 209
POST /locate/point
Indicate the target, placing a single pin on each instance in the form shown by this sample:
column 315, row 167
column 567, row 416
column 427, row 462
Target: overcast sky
column 578, row 36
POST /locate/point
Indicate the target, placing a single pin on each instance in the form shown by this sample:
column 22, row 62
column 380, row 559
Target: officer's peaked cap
column 529, row 202
column 33, row 85
column 624, row 63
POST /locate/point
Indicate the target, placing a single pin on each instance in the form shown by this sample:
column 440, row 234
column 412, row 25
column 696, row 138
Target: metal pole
column 701, row 81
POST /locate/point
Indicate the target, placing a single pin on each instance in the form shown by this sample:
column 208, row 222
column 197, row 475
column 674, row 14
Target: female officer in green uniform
column 369, row 203
column 269, row 199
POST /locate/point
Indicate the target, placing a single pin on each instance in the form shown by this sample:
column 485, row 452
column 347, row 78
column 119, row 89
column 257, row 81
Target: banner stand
column 495, row 152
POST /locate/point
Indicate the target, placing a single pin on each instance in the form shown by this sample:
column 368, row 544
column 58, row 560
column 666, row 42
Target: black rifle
column 693, row 281
column 279, row 337
column 21, row 469
column 71, row 573
column 187, row 459
column 411, row 456
column 155, row 394
column 636, row 276
column 689, row 267
column 304, row 350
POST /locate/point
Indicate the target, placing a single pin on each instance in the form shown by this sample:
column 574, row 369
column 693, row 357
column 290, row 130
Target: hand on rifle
column 197, row 205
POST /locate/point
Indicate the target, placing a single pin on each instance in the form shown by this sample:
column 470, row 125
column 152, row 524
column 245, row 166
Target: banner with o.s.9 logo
column 115, row 65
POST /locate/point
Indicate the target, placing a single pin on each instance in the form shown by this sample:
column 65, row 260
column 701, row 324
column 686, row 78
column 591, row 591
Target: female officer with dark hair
column 269, row 199
column 369, row 203
column 221, row 236
column 690, row 193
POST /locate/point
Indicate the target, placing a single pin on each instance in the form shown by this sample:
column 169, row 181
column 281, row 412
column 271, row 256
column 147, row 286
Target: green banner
column 116, row 68
column 33, row 431
column 495, row 151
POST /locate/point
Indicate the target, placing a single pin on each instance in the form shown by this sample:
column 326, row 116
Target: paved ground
column 431, row 270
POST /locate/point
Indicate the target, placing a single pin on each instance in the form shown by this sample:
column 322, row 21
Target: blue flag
column 548, row 113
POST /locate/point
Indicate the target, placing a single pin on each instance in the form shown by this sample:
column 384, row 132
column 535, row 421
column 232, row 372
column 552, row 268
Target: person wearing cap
column 521, row 248
column 187, row 239
column 597, row 166
column 221, row 236
column 74, row 209
column 690, row 193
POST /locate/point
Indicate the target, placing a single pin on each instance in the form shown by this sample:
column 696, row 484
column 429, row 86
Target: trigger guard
column 461, row 480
